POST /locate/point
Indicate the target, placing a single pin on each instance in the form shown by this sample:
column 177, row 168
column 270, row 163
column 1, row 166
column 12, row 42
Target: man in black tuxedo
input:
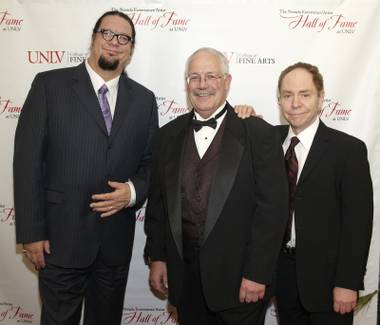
column 323, row 259
column 217, row 206
column 81, row 167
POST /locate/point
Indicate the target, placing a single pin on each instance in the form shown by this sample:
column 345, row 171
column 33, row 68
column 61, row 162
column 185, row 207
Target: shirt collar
column 97, row 81
column 200, row 118
column 306, row 136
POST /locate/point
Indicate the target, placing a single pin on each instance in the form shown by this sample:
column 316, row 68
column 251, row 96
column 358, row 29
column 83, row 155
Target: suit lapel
column 316, row 151
column 125, row 100
column 231, row 151
column 83, row 87
column 175, row 148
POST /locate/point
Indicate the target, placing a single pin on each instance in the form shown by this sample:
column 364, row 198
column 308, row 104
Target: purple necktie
column 104, row 105
column 291, row 164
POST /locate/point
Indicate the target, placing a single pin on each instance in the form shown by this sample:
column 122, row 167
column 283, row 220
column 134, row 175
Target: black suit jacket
column 246, row 215
column 333, row 213
column 63, row 155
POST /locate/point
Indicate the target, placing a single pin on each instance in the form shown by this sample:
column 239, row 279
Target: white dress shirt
column 302, row 149
column 113, row 87
column 206, row 134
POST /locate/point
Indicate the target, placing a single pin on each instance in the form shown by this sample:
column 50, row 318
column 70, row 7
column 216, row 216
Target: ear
column 321, row 99
column 131, row 54
column 228, row 81
column 92, row 41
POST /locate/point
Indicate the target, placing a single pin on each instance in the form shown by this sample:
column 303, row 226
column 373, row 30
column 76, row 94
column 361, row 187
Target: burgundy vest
column 197, row 176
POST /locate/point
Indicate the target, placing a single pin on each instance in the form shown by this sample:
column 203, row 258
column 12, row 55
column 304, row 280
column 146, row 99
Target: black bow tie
column 212, row 122
column 197, row 125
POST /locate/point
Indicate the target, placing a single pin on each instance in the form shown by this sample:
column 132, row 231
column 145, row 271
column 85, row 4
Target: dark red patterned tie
column 291, row 164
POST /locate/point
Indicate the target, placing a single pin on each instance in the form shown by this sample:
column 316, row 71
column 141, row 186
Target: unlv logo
column 46, row 57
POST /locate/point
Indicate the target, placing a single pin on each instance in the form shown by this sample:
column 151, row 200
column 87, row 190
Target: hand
column 251, row 291
column 35, row 252
column 245, row 111
column 158, row 277
column 344, row 300
column 109, row 203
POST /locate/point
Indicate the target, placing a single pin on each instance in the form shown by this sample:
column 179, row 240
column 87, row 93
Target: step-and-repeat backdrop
column 259, row 38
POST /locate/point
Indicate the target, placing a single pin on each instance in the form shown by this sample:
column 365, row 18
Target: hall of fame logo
column 318, row 21
column 55, row 57
column 17, row 313
column 151, row 316
column 157, row 19
column 8, row 109
column 169, row 109
column 7, row 215
column 334, row 110
column 10, row 22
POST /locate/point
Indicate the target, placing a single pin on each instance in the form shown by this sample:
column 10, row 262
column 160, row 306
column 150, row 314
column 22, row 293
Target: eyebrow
column 291, row 92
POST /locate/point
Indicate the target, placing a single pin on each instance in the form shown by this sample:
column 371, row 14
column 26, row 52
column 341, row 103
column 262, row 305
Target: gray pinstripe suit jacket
column 63, row 155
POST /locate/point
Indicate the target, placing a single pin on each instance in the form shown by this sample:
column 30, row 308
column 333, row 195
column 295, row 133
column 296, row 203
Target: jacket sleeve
column 155, row 215
column 141, row 178
column 271, row 213
column 28, row 166
column 356, row 218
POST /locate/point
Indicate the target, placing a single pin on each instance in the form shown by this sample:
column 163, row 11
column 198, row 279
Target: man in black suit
column 323, row 259
column 81, row 167
column 217, row 206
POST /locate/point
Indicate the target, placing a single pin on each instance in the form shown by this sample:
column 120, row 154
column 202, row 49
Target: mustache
column 203, row 93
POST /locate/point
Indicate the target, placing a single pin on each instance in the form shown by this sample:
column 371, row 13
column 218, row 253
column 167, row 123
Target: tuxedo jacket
column 246, row 214
column 333, row 217
column 63, row 155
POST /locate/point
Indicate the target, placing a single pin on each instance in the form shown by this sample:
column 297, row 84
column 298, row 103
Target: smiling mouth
column 203, row 93
column 110, row 51
column 295, row 115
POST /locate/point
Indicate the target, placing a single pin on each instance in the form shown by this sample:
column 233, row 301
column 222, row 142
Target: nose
column 203, row 82
column 296, row 101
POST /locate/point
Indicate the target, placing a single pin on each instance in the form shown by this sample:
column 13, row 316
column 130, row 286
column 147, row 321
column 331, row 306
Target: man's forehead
column 298, row 81
column 298, row 90
column 204, row 64
column 116, row 23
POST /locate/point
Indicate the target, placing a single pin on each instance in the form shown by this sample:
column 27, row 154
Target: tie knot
column 103, row 90
column 212, row 122
column 290, row 152
column 197, row 125
column 294, row 141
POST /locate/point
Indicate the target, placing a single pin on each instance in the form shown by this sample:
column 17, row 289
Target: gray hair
column 222, row 59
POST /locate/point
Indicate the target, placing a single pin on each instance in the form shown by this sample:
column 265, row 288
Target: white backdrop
column 260, row 38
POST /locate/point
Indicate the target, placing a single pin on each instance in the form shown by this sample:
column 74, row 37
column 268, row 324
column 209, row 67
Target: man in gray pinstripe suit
column 81, row 167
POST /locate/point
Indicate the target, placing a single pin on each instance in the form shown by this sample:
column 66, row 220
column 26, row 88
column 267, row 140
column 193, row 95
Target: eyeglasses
column 195, row 79
column 108, row 35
